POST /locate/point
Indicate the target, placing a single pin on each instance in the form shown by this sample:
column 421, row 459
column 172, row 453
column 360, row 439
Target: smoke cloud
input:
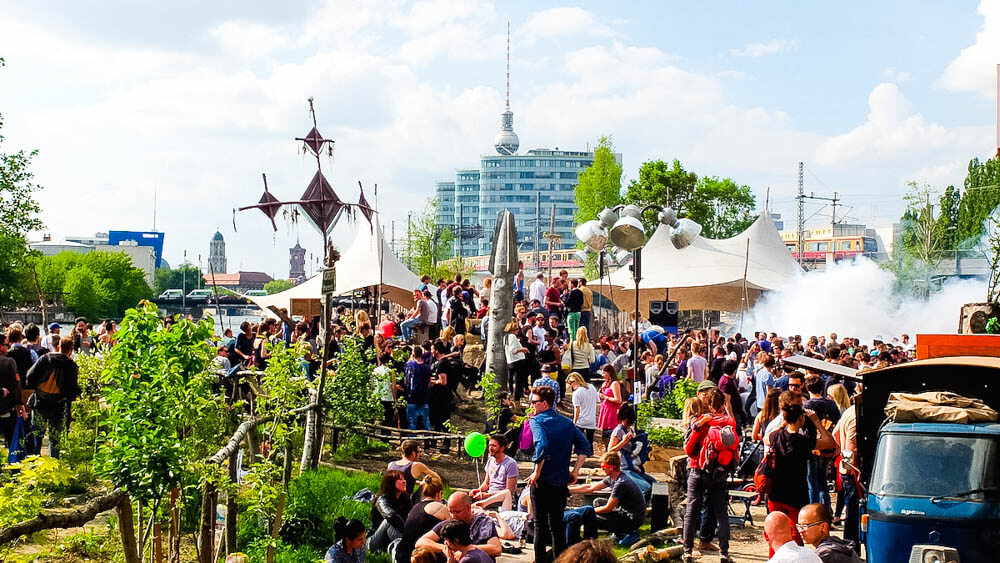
column 856, row 299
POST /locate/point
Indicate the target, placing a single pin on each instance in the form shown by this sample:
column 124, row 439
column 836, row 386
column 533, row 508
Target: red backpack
column 720, row 452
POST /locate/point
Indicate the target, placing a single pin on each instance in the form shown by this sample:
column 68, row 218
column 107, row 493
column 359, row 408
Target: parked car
column 199, row 296
column 172, row 294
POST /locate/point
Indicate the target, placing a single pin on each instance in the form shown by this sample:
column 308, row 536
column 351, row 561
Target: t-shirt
column 387, row 328
column 511, row 345
column 552, row 297
column 628, row 495
column 728, row 386
column 417, row 378
column 432, row 312
column 657, row 338
column 625, row 453
column 476, row 556
column 791, row 454
column 548, row 381
column 537, row 291
column 846, row 433
column 696, row 368
column 500, row 472
column 481, row 530
column 825, row 409
column 574, row 303
column 586, row 398
column 588, row 299
column 791, row 552
column 514, row 519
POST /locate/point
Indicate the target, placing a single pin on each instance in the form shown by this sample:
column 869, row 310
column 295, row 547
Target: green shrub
column 323, row 494
column 284, row 553
column 667, row 436
column 356, row 445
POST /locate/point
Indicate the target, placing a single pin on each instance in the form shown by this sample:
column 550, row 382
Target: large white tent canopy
column 708, row 274
column 367, row 262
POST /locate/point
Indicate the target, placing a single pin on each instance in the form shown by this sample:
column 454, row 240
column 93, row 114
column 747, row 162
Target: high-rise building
column 297, row 263
column 529, row 185
column 217, row 253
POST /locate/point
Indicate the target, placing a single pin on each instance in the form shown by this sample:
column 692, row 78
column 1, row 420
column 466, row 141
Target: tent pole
column 744, row 298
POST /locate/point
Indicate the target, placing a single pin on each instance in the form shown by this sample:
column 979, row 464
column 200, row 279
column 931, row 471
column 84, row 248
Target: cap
column 706, row 385
column 54, row 326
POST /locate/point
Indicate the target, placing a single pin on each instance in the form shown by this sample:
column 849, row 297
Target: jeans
column 407, row 327
column 572, row 323
column 383, row 536
column 550, row 504
column 586, row 317
column 414, row 411
column 852, row 522
column 617, row 522
column 816, row 479
column 718, row 498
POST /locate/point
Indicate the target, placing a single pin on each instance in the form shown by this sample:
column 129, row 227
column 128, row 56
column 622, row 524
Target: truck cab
column 931, row 490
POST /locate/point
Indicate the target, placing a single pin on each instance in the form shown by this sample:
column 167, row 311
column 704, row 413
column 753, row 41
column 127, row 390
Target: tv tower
column 506, row 141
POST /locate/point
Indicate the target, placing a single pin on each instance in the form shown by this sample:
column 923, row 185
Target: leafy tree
column 165, row 278
column 119, row 283
column 659, row 183
column 352, row 396
column 81, row 295
column 277, row 286
column 923, row 235
column 981, row 196
column 947, row 219
column 600, row 184
column 427, row 242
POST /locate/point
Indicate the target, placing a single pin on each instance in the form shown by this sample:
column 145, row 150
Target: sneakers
column 707, row 546
column 629, row 539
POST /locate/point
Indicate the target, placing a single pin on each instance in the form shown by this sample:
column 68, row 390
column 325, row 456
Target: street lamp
column 622, row 225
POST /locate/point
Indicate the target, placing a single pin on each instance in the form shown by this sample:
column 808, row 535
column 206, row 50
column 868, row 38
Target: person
column 517, row 361
column 580, row 353
column 11, row 399
column 622, row 514
column 389, row 511
column 458, row 544
column 814, row 527
column 50, row 342
column 424, row 515
column 707, row 477
column 555, row 437
column 655, row 340
column 715, row 368
column 457, row 311
column 622, row 436
column 244, row 343
column 574, row 306
column 55, row 379
column 829, row 414
column 846, row 436
column 730, row 389
column 779, row 535
column 548, row 379
column 536, row 291
column 797, row 435
column 611, row 400
column 82, row 342
column 584, row 398
column 350, row 542
column 838, row 393
column 500, row 481
column 417, row 378
column 23, row 356
column 410, row 466
column 418, row 316
column 421, row 555
column 553, row 300
column 697, row 365
column 587, row 310
column 763, row 377
column 766, row 415
column 589, row 551
column 482, row 531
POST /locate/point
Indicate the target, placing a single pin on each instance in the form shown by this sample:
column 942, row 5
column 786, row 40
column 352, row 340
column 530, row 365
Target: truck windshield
column 936, row 466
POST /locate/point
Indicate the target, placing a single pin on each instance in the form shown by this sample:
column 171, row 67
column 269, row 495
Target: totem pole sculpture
column 503, row 266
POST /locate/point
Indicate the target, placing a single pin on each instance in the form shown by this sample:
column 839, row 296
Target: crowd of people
column 565, row 384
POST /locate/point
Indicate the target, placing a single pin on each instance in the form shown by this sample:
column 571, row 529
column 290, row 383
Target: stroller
column 751, row 454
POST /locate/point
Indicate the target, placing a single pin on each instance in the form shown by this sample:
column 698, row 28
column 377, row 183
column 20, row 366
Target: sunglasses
column 533, row 401
column 804, row 527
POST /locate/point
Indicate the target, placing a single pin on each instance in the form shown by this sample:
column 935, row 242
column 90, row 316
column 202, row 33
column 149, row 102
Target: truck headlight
column 933, row 554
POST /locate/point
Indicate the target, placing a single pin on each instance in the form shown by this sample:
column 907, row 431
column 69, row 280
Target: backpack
column 48, row 387
column 720, row 450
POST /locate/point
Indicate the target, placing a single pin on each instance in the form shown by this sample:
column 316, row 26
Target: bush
column 356, row 445
column 322, row 495
column 667, row 436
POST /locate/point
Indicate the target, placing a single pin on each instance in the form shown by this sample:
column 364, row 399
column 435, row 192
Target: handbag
column 568, row 358
column 763, row 479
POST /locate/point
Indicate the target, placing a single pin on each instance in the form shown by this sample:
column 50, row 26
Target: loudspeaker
column 664, row 313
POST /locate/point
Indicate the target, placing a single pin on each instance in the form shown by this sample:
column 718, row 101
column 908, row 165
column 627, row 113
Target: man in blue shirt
column 549, row 379
column 655, row 340
column 417, row 379
column 555, row 439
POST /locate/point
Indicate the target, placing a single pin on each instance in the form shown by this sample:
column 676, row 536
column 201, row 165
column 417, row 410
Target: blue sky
column 197, row 99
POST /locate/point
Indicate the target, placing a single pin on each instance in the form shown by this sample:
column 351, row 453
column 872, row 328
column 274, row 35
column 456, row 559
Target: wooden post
column 231, row 509
column 126, row 528
column 206, row 535
column 157, row 543
column 174, row 555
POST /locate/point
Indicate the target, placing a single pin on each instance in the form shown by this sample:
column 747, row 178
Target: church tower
column 217, row 253
column 296, row 263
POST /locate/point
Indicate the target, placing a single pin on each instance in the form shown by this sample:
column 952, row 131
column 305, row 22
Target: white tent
column 359, row 267
column 708, row 274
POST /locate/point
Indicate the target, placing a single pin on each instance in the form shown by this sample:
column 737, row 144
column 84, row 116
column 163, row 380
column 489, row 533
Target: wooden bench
column 746, row 498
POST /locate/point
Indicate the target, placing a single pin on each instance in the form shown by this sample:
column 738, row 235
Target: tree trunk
column 174, row 555
column 77, row 516
column 206, row 535
column 157, row 543
column 231, row 509
column 126, row 528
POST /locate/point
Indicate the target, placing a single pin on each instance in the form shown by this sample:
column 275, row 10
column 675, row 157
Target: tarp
column 358, row 268
column 708, row 274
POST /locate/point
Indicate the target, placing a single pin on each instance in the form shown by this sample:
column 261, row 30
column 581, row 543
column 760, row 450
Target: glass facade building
column 527, row 184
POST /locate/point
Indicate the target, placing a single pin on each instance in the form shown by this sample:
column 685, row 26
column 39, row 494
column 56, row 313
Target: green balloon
column 475, row 444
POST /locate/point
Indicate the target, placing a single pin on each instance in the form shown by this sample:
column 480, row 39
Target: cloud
column 763, row 49
column 565, row 21
column 248, row 40
column 893, row 75
column 975, row 68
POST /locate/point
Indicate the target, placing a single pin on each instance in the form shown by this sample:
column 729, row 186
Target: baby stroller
column 751, row 454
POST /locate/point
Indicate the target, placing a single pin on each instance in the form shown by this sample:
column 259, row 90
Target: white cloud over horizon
column 763, row 49
column 975, row 68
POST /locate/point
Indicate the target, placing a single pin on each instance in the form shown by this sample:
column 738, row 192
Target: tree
column 427, row 242
column 277, row 286
column 600, row 184
column 981, row 196
column 723, row 207
column 81, row 295
column 923, row 235
column 164, row 278
column 947, row 219
column 119, row 284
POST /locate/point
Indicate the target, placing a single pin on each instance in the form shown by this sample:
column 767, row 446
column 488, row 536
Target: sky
column 195, row 100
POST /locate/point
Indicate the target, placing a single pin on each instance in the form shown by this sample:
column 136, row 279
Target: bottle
column 589, row 476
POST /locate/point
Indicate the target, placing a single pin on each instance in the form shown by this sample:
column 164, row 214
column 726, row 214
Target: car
column 255, row 293
column 199, row 295
column 172, row 294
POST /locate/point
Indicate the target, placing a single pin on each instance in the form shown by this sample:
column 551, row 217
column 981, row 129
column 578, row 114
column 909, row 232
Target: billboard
column 141, row 238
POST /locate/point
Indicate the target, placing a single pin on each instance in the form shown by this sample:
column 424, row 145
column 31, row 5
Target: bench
column 746, row 498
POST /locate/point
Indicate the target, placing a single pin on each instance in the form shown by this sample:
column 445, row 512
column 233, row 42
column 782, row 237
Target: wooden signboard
column 940, row 345
column 306, row 308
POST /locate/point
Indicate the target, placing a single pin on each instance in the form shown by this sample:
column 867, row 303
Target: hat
column 706, row 385
column 54, row 326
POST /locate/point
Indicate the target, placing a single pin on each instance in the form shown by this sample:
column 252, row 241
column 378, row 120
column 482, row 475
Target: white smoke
column 855, row 298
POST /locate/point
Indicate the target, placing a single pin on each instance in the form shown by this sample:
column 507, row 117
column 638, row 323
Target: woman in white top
column 517, row 362
column 581, row 353
column 584, row 404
